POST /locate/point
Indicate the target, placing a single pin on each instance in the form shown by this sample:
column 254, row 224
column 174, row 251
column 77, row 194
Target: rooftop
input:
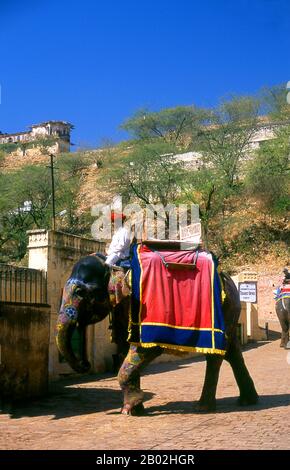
column 45, row 123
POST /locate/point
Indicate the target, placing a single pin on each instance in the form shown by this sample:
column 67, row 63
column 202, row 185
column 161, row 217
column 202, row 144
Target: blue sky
column 94, row 63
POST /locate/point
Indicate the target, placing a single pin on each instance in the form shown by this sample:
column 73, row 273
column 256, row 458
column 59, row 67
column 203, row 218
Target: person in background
column 286, row 279
column 283, row 282
column 118, row 253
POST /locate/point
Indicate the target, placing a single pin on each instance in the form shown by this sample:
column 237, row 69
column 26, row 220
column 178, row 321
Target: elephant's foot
column 133, row 410
column 249, row 399
column 133, row 398
column 203, row 407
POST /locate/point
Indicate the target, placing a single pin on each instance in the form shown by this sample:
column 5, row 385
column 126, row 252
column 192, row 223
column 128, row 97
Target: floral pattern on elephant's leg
column 129, row 377
column 130, row 384
column 129, row 380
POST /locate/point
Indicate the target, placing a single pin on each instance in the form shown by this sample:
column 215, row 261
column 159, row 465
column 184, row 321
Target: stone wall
column 267, row 282
column 22, row 285
column 24, row 340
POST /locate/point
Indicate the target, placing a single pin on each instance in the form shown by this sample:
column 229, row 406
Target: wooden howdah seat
column 174, row 245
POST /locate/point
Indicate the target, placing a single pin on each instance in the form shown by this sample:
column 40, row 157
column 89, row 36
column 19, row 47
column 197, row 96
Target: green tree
column 69, row 173
column 25, row 202
column 224, row 141
column 173, row 125
column 150, row 174
column 268, row 176
column 274, row 102
column 207, row 189
column 199, row 187
column 70, row 165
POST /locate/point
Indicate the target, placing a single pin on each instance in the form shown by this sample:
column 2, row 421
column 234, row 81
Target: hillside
column 254, row 240
column 16, row 160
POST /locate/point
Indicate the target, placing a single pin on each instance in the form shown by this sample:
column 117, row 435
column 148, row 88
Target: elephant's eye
column 79, row 292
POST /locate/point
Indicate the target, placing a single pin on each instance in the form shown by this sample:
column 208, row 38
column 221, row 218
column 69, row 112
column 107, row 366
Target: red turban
column 117, row 216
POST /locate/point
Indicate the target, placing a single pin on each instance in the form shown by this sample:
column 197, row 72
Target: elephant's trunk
column 63, row 340
column 66, row 324
column 81, row 305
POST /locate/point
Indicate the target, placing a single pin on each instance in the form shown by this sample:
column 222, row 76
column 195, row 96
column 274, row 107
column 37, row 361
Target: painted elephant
column 283, row 313
column 86, row 300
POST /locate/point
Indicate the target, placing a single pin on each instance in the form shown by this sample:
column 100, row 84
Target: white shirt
column 120, row 246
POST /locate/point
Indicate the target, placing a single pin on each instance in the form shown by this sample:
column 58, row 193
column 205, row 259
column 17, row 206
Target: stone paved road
column 84, row 413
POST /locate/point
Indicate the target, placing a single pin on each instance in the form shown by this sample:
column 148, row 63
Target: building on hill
column 264, row 131
column 58, row 131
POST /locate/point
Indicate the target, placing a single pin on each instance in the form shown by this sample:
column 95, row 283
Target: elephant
column 283, row 314
column 86, row 301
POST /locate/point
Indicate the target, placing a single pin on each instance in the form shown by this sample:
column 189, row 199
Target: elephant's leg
column 248, row 394
column 284, row 322
column 129, row 376
column 207, row 401
column 287, row 345
column 284, row 337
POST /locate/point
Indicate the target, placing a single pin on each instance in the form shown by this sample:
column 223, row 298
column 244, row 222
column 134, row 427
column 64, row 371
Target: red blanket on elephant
column 176, row 308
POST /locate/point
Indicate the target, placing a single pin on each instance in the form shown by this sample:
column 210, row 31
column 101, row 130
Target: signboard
column 248, row 292
column 191, row 233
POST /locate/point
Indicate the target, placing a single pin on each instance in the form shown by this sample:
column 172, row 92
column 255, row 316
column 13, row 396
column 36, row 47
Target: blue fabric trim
column 190, row 338
column 136, row 273
column 220, row 340
column 219, row 323
column 124, row 263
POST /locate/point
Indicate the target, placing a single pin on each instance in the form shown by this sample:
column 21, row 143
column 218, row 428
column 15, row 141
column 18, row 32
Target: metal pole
column 52, row 191
column 267, row 330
